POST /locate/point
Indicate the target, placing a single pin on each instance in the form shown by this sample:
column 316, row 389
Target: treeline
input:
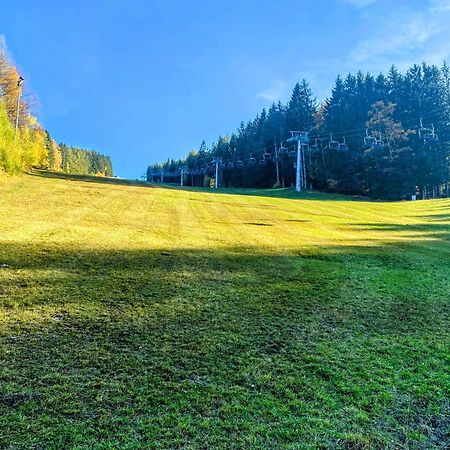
column 24, row 144
column 384, row 136
column 83, row 162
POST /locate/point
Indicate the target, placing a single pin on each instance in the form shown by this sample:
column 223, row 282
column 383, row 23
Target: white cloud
column 405, row 35
column 440, row 6
column 276, row 91
column 396, row 38
column 360, row 3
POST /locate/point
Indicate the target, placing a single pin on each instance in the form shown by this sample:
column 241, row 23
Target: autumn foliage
column 24, row 144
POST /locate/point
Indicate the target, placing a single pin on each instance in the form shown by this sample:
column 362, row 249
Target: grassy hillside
column 139, row 317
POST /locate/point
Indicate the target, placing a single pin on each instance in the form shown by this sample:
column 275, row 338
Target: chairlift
column 343, row 146
column 333, row 145
column 239, row 163
column 379, row 143
column 263, row 162
column 430, row 137
column 251, row 160
column 267, row 156
column 282, row 150
column 292, row 153
column 299, row 136
column 316, row 146
column 424, row 131
column 304, row 148
column 369, row 141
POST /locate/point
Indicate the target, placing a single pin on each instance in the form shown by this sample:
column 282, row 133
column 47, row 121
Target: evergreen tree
column 386, row 136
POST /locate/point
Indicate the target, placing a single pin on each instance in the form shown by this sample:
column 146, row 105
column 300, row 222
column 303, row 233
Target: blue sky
column 145, row 80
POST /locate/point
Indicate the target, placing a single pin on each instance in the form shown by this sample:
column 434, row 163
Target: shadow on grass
column 435, row 229
column 235, row 348
column 89, row 178
column 438, row 218
column 284, row 193
column 430, row 231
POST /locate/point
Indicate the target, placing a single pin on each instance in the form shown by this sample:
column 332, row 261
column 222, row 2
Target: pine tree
column 301, row 108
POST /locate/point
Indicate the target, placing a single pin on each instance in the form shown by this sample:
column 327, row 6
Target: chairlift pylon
column 299, row 136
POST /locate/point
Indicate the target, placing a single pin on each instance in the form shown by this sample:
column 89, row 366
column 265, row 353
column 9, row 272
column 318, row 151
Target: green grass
column 138, row 317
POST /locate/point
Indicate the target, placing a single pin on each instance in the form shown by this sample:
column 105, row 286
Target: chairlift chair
column 267, row 156
column 369, row 141
column 379, row 143
column 332, row 144
column 251, row 160
column 282, row 150
column 430, row 137
column 343, row 146
column 423, row 131
column 239, row 163
column 292, row 153
column 316, row 146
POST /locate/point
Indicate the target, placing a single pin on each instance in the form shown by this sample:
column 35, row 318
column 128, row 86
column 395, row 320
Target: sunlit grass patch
column 133, row 317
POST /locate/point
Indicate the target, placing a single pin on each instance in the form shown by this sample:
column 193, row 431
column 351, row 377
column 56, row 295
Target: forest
column 384, row 136
column 25, row 145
